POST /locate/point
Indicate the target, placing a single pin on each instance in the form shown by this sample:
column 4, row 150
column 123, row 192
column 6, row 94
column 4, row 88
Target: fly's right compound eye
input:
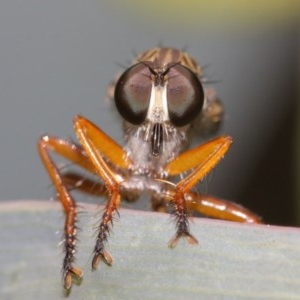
column 132, row 93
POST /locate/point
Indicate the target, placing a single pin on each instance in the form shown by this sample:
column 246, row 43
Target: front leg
column 93, row 141
column 182, row 222
column 202, row 160
column 89, row 160
column 99, row 251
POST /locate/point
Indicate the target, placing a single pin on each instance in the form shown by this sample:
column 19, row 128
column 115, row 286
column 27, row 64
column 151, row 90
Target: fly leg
column 89, row 186
column 85, row 158
column 75, row 154
column 202, row 160
column 97, row 189
column 95, row 143
column 182, row 222
column 99, row 250
column 220, row 208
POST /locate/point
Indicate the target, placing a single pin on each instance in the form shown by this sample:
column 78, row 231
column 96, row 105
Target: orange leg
column 88, row 158
column 220, row 208
column 204, row 204
column 92, row 141
column 202, row 159
column 75, row 154
column 75, row 181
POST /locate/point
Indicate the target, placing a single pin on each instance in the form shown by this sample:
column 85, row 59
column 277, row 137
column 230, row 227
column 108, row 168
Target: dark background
column 57, row 58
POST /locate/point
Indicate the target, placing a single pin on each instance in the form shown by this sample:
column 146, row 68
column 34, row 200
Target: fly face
column 159, row 97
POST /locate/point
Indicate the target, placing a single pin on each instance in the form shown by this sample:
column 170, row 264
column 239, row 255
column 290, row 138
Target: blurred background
column 57, row 58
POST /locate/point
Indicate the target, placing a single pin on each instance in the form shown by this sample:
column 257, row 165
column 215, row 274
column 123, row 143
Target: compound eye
column 132, row 93
column 185, row 95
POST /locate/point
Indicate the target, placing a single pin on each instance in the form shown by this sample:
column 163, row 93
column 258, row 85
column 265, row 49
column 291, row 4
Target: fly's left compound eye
column 185, row 95
column 132, row 93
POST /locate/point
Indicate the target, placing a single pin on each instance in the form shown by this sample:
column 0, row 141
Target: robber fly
column 160, row 97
